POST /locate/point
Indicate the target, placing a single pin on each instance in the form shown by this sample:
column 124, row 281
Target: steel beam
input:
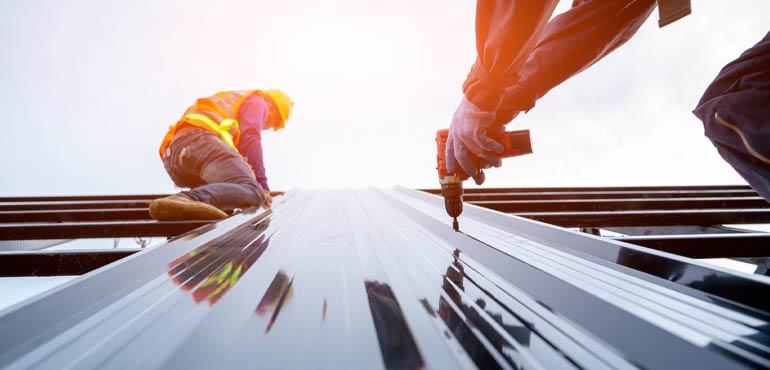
column 78, row 230
column 56, row 263
column 645, row 189
column 69, row 215
column 29, row 245
column 652, row 218
column 660, row 194
column 72, row 205
column 706, row 245
column 675, row 230
column 74, row 198
column 601, row 205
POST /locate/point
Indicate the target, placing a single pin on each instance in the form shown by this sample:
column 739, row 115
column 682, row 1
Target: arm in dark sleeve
column 506, row 32
column 572, row 42
column 250, row 147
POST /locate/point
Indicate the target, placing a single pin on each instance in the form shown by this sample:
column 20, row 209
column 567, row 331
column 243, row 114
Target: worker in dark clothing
column 735, row 110
column 215, row 149
column 522, row 56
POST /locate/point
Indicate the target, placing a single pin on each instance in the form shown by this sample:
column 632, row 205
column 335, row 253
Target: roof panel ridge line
column 560, row 261
column 248, row 221
column 599, row 342
column 229, row 307
column 40, row 307
column 587, row 342
column 606, row 307
column 567, row 240
column 178, row 240
column 379, row 209
column 570, row 257
column 402, row 227
column 758, row 348
column 705, row 321
column 518, row 219
column 624, row 277
column 406, row 294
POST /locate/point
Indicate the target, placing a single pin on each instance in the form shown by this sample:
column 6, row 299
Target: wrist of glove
column 267, row 200
column 470, row 146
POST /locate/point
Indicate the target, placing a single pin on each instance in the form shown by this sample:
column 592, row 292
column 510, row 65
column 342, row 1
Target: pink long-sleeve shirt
column 252, row 117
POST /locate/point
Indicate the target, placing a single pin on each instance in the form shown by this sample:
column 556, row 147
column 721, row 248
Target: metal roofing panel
column 371, row 279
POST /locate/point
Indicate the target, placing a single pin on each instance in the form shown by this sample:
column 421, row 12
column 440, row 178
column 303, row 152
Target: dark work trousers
column 217, row 173
column 735, row 110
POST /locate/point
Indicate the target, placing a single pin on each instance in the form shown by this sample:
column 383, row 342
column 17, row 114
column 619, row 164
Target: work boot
column 178, row 207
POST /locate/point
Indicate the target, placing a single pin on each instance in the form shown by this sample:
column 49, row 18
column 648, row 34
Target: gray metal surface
column 29, row 245
column 376, row 279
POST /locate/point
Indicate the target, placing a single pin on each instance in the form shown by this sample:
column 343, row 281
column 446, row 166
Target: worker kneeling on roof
column 216, row 150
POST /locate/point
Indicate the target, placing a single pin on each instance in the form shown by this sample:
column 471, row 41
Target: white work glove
column 469, row 144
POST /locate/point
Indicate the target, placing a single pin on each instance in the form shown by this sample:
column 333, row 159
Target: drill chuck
column 514, row 143
column 453, row 198
column 453, row 201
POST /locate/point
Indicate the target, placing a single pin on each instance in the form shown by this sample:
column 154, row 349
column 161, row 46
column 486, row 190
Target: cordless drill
column 514, row 143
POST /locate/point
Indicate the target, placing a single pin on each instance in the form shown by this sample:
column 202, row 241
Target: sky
column 89, row 88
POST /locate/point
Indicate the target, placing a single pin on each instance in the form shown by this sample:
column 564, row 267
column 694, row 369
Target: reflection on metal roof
column 377, row 279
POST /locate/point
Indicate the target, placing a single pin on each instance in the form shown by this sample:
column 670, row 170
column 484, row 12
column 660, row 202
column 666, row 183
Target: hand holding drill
column 471, row 144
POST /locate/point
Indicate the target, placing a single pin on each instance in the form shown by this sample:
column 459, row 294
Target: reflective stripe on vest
column 222, row 129
column 216, row 113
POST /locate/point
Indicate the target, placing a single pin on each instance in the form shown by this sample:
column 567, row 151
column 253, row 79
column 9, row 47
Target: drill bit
column 456, row 225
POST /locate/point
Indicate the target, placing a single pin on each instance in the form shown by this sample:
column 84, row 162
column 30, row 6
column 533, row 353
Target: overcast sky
column 89, row 88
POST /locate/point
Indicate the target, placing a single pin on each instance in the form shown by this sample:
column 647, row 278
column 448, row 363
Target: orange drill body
column 514, row 143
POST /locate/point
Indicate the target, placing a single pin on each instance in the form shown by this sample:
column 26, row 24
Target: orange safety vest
column 217, row 113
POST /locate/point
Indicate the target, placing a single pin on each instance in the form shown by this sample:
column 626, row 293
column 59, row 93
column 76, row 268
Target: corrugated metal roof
column 374, row 279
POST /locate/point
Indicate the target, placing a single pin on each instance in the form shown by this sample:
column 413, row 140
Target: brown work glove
column 267, row 200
